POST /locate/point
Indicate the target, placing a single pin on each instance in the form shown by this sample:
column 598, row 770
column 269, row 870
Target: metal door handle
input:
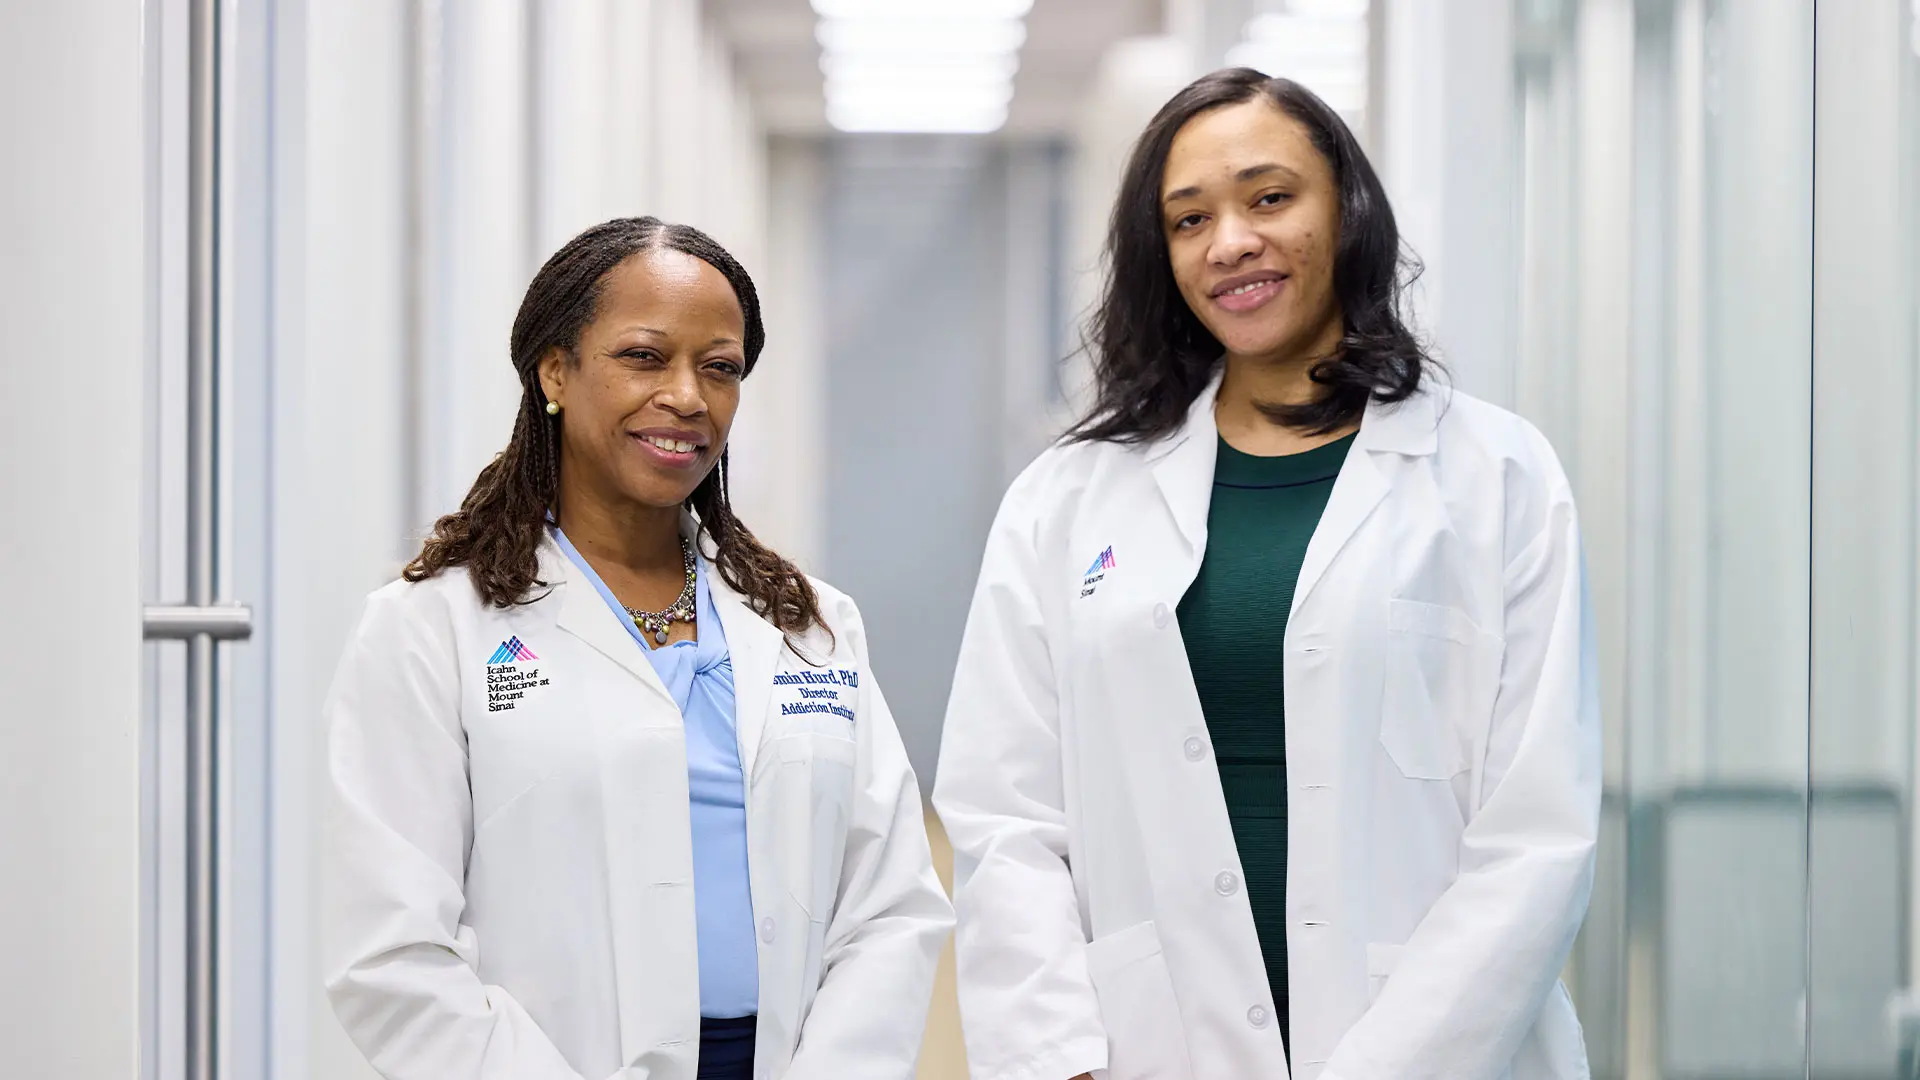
column 179, row 622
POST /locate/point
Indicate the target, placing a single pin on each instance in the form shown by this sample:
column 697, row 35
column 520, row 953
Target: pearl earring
column 553, row 408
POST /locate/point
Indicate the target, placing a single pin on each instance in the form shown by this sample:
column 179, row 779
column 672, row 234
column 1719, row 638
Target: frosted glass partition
column 1664, row 178
column 1864, row 1019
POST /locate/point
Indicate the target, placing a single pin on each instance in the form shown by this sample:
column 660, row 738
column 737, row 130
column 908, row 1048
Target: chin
column 1257, row 344
column 656, row 492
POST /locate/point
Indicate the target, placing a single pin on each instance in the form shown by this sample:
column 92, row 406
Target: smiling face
column 1251, row 214
column 649, row 393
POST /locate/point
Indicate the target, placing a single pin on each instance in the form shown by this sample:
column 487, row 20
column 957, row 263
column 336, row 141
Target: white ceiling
column 775, row 53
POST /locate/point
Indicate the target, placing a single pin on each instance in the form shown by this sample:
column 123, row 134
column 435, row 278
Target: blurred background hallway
column 260, row 259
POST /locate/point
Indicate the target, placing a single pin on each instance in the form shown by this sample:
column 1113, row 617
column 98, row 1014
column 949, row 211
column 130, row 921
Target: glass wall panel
column 1864, row 1016
column 1665, row 214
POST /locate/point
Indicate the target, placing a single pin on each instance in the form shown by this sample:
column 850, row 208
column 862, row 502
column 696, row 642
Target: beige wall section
column 943, row 1056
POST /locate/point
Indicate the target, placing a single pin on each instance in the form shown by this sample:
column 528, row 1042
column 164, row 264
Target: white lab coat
column 1443, row 771
column 508, row 855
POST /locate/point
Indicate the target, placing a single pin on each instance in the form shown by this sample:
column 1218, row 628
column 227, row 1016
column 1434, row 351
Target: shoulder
column 836, row 607
column 1496, row 462
column 403, row 609
column 842, row 627
column 1057, row 481
column 1483, row 436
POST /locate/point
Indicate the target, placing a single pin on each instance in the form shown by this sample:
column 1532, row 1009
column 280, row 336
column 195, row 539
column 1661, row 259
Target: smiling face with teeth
column 1251, row 214
column 648, row 393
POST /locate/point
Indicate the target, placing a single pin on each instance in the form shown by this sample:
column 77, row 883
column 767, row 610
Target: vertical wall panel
column 71, row 197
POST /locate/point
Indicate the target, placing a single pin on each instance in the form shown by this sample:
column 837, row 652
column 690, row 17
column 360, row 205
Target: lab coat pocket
column 1145, row 1037
column 816, row 785
column 1440, row 674
column 1381, row 960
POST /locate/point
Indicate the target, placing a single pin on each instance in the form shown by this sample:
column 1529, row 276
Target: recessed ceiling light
column 919, row 65
column 874, row 9
column 893, row 35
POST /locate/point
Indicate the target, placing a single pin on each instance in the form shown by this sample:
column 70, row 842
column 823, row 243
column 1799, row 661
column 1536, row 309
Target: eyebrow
column 1251, row 172
column 721, row 340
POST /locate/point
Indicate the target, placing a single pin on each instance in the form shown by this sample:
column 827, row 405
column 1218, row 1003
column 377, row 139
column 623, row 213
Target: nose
column 679, row 391
column 1234, row 241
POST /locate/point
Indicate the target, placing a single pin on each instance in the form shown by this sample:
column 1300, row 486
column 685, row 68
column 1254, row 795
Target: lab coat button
column 1161, row 616
column 766, row 929
column 1257, row 1016
column 1226, row 883
column 1195, row 748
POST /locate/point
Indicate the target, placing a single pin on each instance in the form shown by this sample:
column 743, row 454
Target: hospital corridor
column 280, row 278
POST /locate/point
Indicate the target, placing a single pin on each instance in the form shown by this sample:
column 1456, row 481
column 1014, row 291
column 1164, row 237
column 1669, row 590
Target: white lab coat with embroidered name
column 1443, row 771
column 508, row 863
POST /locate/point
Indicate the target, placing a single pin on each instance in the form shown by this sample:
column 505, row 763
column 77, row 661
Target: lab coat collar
column 1410, row 427
column 586, row 616
column 753, row 642
column 1407, row 428
column 1183, row 465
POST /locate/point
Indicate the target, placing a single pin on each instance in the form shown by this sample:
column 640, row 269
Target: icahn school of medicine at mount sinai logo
column 507, row 681
column 511, row 651
column 1097, row 573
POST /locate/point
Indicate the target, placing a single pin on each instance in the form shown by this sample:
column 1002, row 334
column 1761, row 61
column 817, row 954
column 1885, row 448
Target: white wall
column 675, row 61
column 340, row 438
column 777, row 452
column 483, row 248
column 72, row 297
column 1447, row 161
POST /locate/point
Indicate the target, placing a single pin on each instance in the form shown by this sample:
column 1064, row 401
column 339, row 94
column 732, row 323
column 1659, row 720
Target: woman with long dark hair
column 612, row 791
column 1273, row 743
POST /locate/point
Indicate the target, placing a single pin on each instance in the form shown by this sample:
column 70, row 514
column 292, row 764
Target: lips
column 1246, row 292
column 670, row 447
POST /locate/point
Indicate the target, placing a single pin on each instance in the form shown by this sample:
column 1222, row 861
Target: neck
column 637, row 538
column 1250, row 382
column 1275, row 379
column 1252, row 386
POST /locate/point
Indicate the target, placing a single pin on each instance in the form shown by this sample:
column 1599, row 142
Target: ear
column 553, row 374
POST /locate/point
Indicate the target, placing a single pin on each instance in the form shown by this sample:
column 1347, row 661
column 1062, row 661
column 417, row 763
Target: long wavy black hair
column 1152, row 356
column 496, row 533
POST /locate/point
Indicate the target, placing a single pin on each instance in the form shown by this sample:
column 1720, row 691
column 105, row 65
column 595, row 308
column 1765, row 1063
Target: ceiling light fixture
column 877, row 9
column 919, row 65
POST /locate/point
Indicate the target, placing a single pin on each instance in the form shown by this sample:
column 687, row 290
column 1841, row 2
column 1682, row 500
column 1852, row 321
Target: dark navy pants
column 726, row 1049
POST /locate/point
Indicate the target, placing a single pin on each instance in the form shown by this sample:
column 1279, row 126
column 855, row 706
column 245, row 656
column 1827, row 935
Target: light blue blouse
column 699, row 675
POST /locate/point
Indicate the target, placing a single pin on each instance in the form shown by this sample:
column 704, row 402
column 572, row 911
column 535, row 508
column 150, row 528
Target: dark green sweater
column 1234, row 621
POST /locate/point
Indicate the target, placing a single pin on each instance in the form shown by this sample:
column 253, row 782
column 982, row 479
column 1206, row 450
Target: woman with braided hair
column 612, row 791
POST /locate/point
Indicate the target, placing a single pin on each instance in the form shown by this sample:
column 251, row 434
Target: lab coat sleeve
column 399, row 962
column 1473, row 977
column 1027, row 1003
column 890, row 916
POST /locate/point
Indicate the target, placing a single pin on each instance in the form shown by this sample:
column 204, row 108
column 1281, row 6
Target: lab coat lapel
column 586, row 616
column 1405, row 428
column 647, row 825
column 755, row 646
column 1183, row 471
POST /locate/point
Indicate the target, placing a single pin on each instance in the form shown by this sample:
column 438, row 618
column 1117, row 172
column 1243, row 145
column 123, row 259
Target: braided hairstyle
column 496, row 533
